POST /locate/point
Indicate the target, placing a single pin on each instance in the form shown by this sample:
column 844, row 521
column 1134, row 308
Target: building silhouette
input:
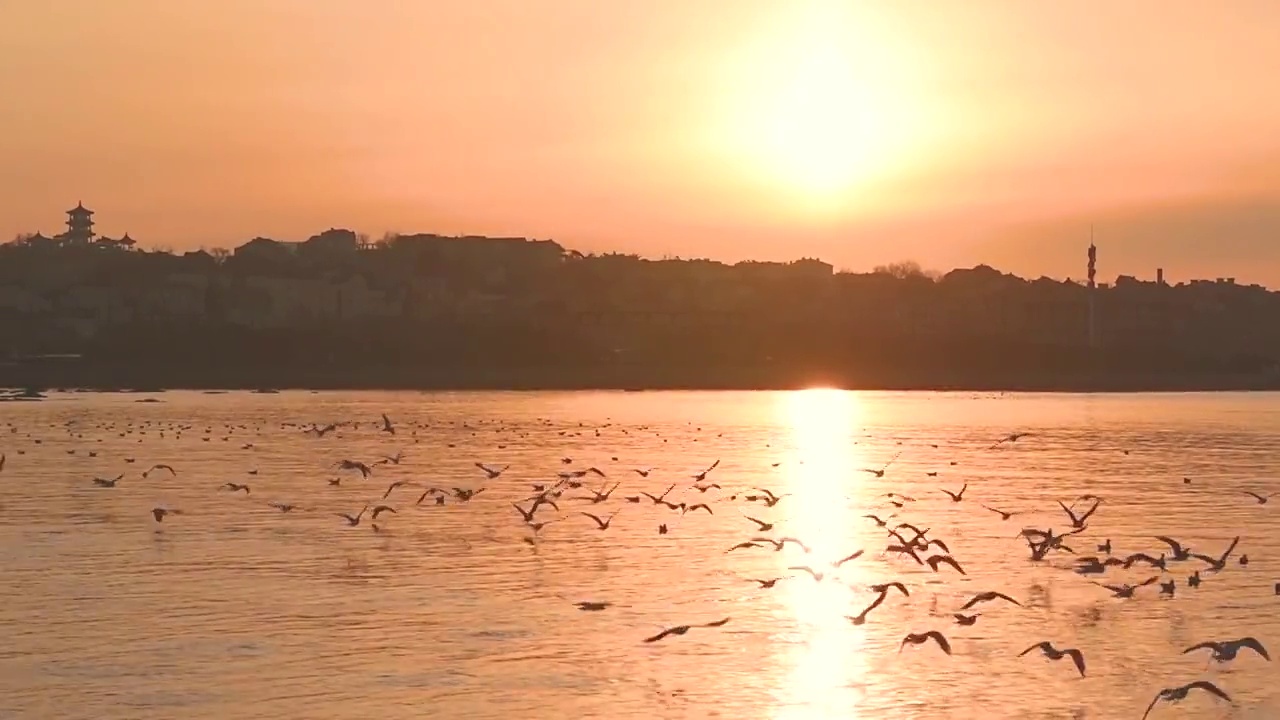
column 79, row 226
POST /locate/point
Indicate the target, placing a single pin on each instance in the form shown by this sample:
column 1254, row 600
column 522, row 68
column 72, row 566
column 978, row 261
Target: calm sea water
column 234, row 609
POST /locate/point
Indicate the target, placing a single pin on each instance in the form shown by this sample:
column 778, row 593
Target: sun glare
column 822, row 423
column 819, row 107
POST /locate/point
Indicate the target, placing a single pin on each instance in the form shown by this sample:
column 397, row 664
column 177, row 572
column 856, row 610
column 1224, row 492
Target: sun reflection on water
column 825, row 660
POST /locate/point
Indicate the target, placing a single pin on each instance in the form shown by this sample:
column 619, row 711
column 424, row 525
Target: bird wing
column 1078, row 658
column 1209, row 688
column 937, row 560
column 1037, row 646
column 1253, row 644
column 716, row 623
column 1159, row 696
column 1230, row 548
column 941, row 640
column 1254, row 494
column 805, row 568
column 853, row 556
column 1067, row 510
column 1174, row 545
column 659, row 636
column 1201, row 646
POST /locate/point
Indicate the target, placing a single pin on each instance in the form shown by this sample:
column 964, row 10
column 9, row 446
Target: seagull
column 1053, row 653
column 682, row 629
column 1078, row 522
column 353, row 520
column 817, row 576
column 935, row 560
column 160, row 466
column 1126, row 591
column 957, row 496
column 282, row 507
column 1003, row 515
column 465, row 495
column 159, row 513
column 603, row 524
column 876, row 519
column 1262, row 499
column 1180, row 693
column 761, row 525
column 770, row 499
column 589, row 606
column 1226, row 650
column 1145, row 558
column 381, row 509
column 492, row 473
column 387, row 427
column 1179, row 552
column 861, row 617
column 393, row 486
column 643, row 473
column 851, row 556
column 781, row 543
column 365, row 470
column 108, row 483
column 883, row 588
column 235, row 487
column 921, row 638
column 1011, row 438
column 988, row 597
column 1217, row 564
column 703, row 475
column 880, row 473
column 392, row 459
column 965, row 620
column 321, row 431
column 658, row 499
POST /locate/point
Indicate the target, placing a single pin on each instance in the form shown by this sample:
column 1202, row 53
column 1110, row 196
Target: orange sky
column 861, row 132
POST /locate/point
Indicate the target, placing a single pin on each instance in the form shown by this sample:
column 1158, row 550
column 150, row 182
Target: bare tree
column 904, row 269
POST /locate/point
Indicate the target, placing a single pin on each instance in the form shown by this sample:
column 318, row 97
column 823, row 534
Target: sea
column 232, row 607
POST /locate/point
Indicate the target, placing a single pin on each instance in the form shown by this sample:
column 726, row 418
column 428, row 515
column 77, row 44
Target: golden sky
column 950, row 132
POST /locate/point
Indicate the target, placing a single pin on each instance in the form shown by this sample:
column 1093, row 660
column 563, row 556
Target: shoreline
column 528, row 380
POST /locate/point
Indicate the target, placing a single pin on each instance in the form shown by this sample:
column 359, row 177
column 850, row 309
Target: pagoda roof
column 79, row 209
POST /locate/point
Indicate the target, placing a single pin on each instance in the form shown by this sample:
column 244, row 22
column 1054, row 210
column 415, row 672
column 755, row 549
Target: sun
column 820, row 136
column 820, row 106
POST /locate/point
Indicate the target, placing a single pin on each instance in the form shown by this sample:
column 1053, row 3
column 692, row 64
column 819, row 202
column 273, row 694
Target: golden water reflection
column 826, row 659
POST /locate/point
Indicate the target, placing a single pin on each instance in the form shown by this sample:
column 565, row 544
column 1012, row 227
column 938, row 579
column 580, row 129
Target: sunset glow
column 820, row 109
column 863, row 133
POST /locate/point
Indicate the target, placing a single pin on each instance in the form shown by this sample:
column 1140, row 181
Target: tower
column 79, row 226
column 1092, row 290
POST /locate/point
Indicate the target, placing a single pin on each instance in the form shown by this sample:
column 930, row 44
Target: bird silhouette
column 988, row 596
column 921, row 638
column 1226, row 650
column 602, row 524
column 682, row 629
column 1177, row 694
column 1053, row 653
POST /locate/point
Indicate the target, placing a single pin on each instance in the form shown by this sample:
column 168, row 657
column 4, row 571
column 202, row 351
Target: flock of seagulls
column 594, row 497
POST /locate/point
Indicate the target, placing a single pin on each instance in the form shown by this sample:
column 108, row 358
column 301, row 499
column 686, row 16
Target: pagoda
column 79, row 226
